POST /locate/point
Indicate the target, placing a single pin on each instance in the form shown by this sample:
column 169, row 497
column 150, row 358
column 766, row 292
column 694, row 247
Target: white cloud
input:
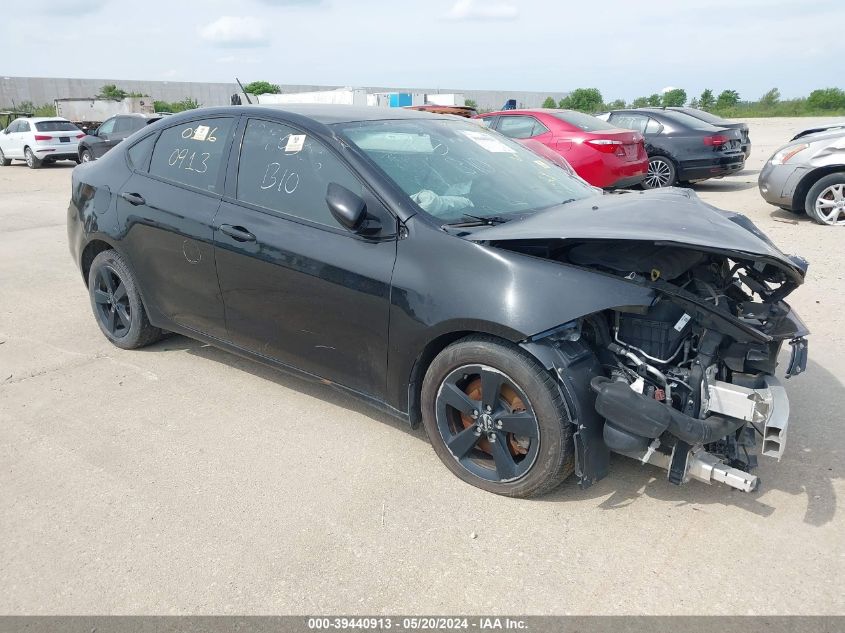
column 469, row 10
column 237, row 59
column 235, row 31
column 668, row 89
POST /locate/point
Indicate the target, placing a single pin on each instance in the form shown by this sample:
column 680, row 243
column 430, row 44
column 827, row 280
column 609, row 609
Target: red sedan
column 602, row 154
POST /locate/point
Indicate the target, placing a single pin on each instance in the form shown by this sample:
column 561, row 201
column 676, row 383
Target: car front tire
column 86, row 156
column 116, row 302
column 825, row 202
column 496, row 418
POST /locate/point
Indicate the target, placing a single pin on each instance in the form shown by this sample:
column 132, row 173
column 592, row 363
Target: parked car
column 808, row 175
column 681, row 148
column 718, row 121
column 464, row 111
column 452, row 277
column 602, row 154
column 111, row 132
column 39, row 140
column 822, row 128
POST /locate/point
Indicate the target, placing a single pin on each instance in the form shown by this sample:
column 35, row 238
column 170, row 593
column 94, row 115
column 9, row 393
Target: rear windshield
column 687, row 121
column 586, row 122
column 701, row 114
column 55, row 126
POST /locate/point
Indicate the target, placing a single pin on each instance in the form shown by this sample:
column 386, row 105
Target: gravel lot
column 183, row 480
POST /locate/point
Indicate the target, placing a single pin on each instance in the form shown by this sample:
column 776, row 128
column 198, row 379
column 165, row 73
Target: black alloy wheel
column 112, row 303
column 487, row 423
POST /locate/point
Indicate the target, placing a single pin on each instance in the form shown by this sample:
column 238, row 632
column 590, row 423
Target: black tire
column 77, row 160
column 85, row 156
column 116, row 303
column 823, row 192
column 661, row 173
column 5, row 162
column 551, row 452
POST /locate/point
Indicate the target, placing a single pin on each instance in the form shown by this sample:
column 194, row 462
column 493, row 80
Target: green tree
column 695, row 103
column 770, row 98
column 727, row 99
column 676, row 97
column 654, row 100
column 110, row 91
column 639, row 102
column 706, row 100
column 550, row 102
column 583, row 100
column 826, row 99
column 470, row 103
column 262, row 88
column 617, row 104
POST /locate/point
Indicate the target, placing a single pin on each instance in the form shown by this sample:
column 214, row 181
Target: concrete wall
column 43, row 90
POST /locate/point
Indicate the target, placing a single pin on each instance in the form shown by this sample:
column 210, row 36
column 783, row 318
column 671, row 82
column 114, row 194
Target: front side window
column 193, row 153
column 452, row 169
column 107, row 127
column 285, row 170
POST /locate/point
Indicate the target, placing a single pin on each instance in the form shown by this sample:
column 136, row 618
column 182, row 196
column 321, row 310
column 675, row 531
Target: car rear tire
column 496, row 419
column 117, row 305
column 31, row 161
column 661, row 173
column 825, row 202
column 86, row 156
column 5, row 162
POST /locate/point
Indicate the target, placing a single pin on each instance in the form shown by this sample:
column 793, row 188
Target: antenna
column 248, row 100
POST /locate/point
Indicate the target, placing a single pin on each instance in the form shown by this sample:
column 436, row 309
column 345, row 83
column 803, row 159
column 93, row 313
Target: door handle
column 237, row 233
column 134, row 199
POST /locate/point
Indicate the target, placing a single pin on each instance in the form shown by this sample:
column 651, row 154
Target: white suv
column 39, row 140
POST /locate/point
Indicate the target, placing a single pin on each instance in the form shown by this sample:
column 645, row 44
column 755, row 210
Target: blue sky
column 624, row 48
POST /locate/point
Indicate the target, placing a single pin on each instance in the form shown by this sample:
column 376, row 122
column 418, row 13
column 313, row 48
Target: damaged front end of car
column 685, row 382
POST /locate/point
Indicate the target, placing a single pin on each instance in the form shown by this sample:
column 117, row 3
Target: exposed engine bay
column 686, row 383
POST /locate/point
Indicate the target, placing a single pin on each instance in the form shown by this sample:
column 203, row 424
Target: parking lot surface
column 180, row 479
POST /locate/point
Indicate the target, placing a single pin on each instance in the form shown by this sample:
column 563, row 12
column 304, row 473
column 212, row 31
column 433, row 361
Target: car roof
column 528, row 111
column 327, row 113
column 39, row 119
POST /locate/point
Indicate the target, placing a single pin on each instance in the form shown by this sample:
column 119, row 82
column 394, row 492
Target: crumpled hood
column 673, row 216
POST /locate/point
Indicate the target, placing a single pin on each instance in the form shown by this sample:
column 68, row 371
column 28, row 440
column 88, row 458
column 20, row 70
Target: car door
column 10, row 141
column 23, row 138
column 297, row 286
column 166, row 211
column 105, row 138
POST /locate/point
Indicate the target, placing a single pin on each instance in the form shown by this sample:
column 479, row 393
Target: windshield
column 55, row 126
column 453, row 169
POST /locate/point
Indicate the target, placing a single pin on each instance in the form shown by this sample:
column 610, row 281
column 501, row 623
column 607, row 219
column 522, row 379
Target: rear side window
column 635, row 122
column 653, row 127
column 287, row 171
column 521, row 126
column 139, row 153
column 23, row 126
column 55, row 126
column 192, row 153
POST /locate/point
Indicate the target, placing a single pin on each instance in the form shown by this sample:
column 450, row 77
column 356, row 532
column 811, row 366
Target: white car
column 39, row 140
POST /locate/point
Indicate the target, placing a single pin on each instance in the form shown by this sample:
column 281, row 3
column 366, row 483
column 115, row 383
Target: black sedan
column 453, row 278
column 111, row 132
column 718, row 121
column 681, row 148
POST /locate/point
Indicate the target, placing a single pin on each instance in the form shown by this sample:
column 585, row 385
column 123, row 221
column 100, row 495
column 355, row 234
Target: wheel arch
column 89, row 252
column 799, row 198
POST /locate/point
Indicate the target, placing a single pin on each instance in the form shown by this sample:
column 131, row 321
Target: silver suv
column 808, row 175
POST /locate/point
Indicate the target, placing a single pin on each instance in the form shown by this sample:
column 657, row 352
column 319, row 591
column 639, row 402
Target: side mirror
column 6, row 131
column 347, row 208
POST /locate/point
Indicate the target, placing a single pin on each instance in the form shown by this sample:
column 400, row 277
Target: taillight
column 41, row 137
column 80, row 136
column 715, row 140
column 606, row 145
